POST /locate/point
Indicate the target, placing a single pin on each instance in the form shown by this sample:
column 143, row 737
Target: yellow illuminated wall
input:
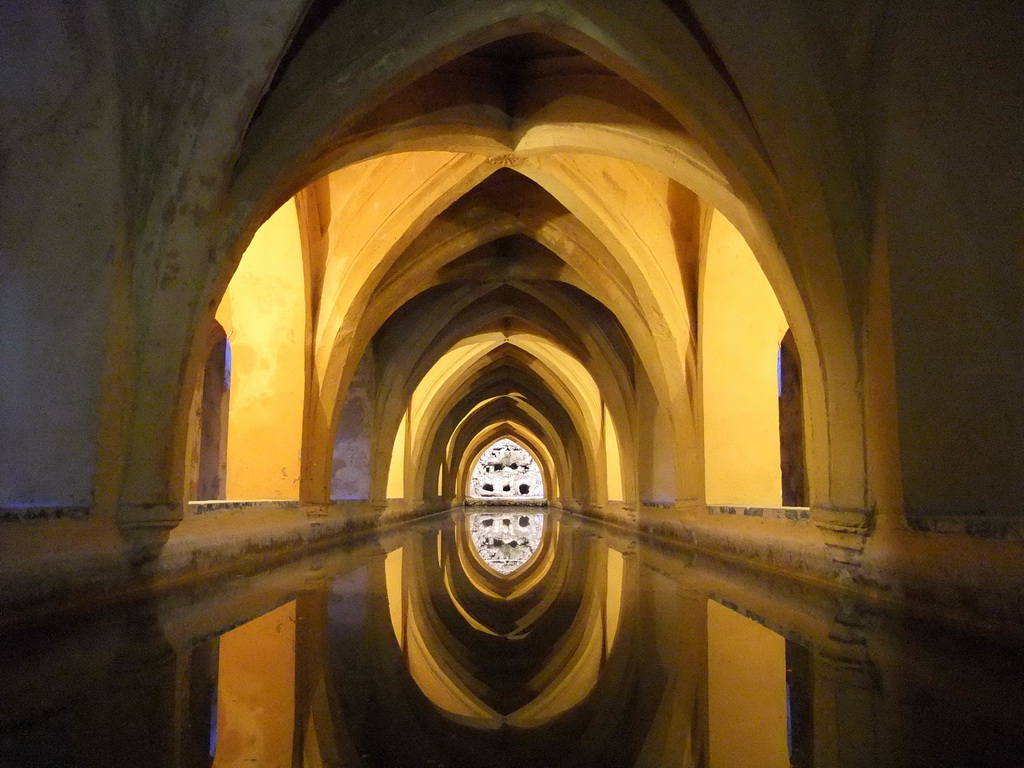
column 746, row 692
column 612, row 458
column 263, row 313
column 256, row 692
column 740, row 330
column 396, row 472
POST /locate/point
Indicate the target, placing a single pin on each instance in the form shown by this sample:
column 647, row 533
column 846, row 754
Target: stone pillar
column 145, row 529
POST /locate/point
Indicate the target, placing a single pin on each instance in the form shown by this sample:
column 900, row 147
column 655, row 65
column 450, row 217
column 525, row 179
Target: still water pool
column 509, row 638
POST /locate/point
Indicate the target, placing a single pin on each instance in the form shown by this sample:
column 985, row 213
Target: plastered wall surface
column 264, row 316
column 741, row 327
column 58, row 284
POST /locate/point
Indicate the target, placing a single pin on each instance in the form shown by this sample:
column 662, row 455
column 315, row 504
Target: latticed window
column 506, row 470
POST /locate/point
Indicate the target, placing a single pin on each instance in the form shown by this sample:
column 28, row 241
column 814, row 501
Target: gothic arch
column 677, row 72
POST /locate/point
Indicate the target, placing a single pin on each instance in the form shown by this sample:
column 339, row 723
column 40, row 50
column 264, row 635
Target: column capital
column 846, row 530
column 146, row 527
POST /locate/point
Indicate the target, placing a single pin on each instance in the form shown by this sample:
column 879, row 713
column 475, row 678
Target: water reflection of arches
column 548, row 633
column 591, row 653
column 507, row 539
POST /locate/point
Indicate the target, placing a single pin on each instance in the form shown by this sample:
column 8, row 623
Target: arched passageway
column 555, row 286
column 275, row 275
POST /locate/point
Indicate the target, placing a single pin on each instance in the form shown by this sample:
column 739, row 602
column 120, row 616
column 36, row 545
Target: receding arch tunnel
column 740, row 285
column 583, row 244
column 520, row 241
column 520, row 244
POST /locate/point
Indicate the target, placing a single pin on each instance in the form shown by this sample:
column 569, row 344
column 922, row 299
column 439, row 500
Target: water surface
column 551, row 642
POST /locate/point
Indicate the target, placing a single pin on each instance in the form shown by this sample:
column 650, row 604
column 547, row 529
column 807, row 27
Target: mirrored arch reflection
column 507, row 538
column 406, row 650
column 608, row 651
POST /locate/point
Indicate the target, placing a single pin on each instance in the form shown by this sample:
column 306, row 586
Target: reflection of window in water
column 506, row 470
column 506, row 540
